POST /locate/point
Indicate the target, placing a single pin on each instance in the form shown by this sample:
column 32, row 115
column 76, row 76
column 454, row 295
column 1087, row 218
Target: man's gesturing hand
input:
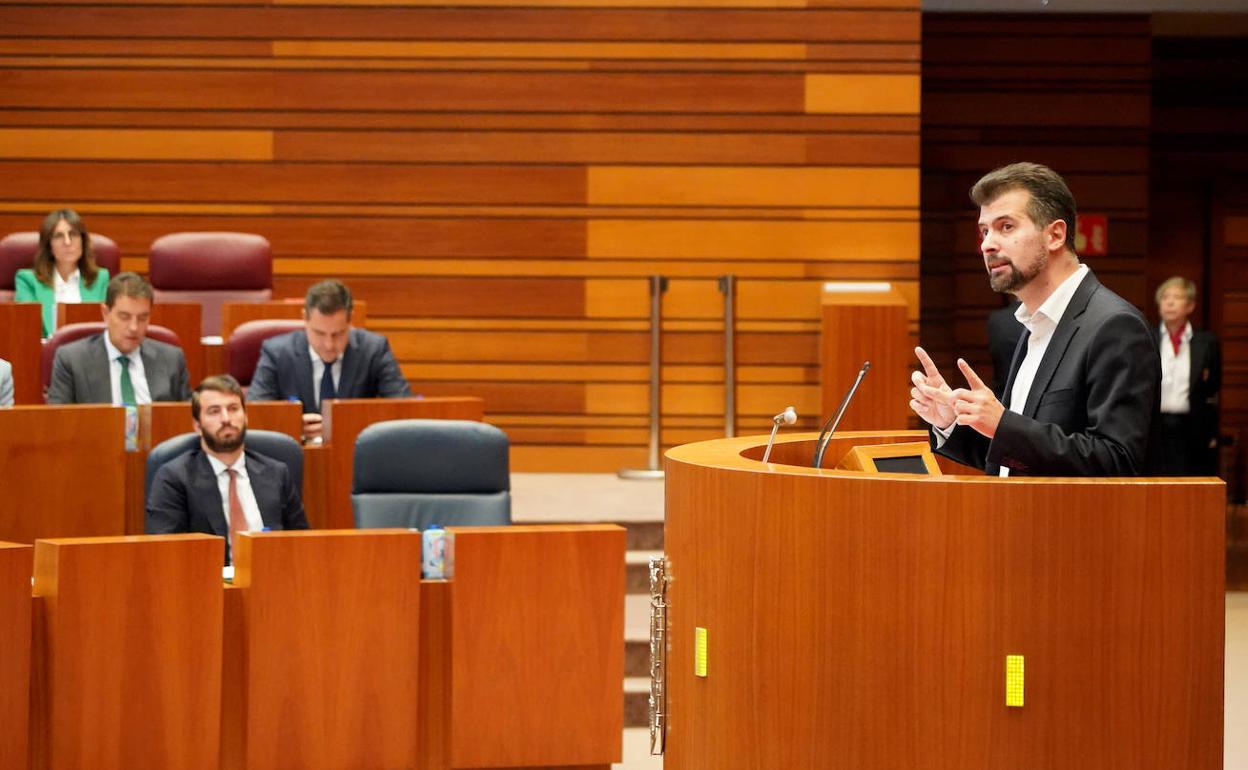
column 930, row 396
column 977, row 406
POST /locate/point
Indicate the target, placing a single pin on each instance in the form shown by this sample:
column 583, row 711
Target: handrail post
column 658, row 285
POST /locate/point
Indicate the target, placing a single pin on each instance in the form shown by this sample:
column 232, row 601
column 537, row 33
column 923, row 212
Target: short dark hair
column 127, row 285
column 1051, row 199
column 45, row 263
column 328, row 297
column 220, row 383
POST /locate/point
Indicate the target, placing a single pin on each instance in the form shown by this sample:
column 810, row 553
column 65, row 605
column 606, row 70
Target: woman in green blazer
column 64, row 252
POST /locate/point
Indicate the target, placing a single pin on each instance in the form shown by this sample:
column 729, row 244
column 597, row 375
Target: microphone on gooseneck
column 787, row 417
column 829, row 427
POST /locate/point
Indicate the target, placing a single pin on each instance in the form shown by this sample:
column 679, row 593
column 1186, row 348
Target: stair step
column 637, row 657
column 636, row 701
column 637, row 575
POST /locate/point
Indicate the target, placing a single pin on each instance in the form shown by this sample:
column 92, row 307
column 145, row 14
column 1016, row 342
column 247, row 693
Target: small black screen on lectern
column 911, row 464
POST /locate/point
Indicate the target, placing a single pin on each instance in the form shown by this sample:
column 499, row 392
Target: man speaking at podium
column 1083, row 390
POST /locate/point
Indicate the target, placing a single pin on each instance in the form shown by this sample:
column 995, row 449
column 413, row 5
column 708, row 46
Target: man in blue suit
column 327, row 359
column 221, row 487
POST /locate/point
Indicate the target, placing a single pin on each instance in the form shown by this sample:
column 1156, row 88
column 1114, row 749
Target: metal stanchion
column 658, row 285
column 728, row 286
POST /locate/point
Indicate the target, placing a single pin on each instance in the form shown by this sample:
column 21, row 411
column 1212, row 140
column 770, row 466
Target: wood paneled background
column 1071, row 92
column 1146, row 119
column 1199, row 190
column 497, row 179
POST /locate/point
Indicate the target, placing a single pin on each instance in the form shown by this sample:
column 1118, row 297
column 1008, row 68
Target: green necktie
column 127, row 387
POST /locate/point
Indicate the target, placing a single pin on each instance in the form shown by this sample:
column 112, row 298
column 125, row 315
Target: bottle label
column 433, row 554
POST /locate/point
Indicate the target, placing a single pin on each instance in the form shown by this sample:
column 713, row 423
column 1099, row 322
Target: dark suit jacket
column 1093, row 406
column 1205, row 378
column 1004, row 332
column 185, row 496
column 285, row 370
column 80, row 372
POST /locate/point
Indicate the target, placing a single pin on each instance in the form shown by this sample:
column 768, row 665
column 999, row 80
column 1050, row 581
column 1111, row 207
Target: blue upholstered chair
column 270, row 443
column 417, row 473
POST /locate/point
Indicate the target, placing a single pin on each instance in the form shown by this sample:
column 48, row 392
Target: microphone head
column 787, row 417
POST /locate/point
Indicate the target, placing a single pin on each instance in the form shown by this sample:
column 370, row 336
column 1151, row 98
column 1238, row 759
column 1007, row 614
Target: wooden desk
column 233, row 314
column 492, row 672
column 168, row 419
column 15, row 572
column 67, row 474
column 537, row 615
column 345, row 418
column 128, row 650
column 863, row 621
column 184, row 319
column 63, row 471
column 21, row 331
column 328, row 652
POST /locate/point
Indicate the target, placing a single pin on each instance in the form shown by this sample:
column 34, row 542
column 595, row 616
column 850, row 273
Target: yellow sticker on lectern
column 699, row 651
column 1014, row 681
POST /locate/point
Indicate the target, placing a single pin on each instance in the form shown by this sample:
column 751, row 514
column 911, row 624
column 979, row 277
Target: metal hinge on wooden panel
column 658, row 654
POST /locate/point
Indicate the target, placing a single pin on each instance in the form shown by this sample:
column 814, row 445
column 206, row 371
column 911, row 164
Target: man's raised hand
column 976, row 406
column 930, row 396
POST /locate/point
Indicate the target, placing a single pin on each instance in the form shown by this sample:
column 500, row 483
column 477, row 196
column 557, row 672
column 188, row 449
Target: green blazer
column 31, row 289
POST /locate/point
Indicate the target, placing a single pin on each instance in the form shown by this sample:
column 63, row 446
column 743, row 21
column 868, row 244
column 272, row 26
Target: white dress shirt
column 67, row 290
column 318, row 371
column 138, row 377
column 1041, row 325
column 1176, row 373
column 251, row 509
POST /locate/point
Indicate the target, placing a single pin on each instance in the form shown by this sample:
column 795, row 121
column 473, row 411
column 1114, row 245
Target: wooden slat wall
column 1071, row 92
column 498, row 178
column 1200, row 191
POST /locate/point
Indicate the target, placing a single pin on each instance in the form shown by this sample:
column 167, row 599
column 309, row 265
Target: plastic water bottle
column 433, row 553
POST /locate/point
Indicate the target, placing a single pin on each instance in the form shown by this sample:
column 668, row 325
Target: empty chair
column 211, row 268
column 17, row 250
column 242, row 349
column 417, row 473
column 70, row 332
column 270, row 443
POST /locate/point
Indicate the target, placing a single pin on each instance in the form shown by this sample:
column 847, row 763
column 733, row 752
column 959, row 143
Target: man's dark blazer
column 80, row 372
column 285, row 370
column 185, row 496
column 1003, row 333
column 1094, row 403
column 1205, row 380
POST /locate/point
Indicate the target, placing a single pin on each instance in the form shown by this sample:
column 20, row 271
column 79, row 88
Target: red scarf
column 1176, row 339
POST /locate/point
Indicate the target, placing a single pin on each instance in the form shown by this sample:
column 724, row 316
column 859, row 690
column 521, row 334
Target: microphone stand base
column 641, row 474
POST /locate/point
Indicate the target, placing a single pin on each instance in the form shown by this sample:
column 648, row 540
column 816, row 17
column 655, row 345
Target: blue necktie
column 327, row 384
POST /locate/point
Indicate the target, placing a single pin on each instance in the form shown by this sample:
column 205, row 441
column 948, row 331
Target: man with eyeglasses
column 120, row 365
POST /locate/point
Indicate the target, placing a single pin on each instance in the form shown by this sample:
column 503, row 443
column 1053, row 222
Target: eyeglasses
column 69, row 236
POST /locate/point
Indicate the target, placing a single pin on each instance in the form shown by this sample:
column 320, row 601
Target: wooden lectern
column 865, row 322
column 867, row 621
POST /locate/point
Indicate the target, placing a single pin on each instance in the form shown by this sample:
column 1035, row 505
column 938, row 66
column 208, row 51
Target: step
column 637, row 577
column 636, row 701
column 637, row 754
